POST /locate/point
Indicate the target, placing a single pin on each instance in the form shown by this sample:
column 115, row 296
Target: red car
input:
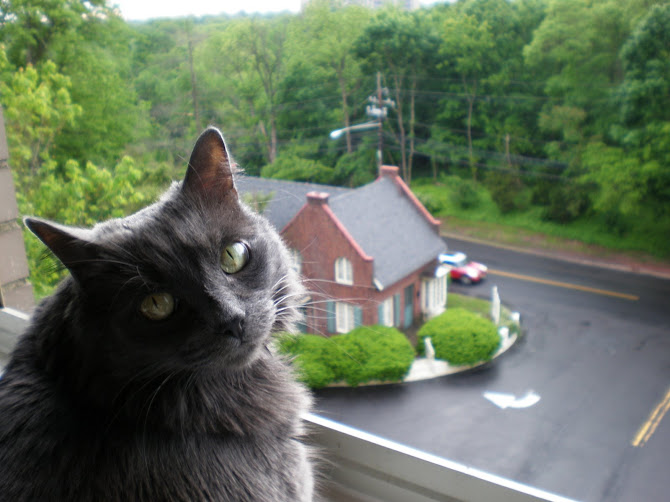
column 463, row 270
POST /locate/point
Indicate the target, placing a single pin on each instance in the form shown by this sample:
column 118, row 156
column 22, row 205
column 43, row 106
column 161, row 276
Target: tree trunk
column 273, row 137
column 194, row 82
column 345, row 110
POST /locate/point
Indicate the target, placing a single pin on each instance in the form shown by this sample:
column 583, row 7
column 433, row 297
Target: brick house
column 368, row 255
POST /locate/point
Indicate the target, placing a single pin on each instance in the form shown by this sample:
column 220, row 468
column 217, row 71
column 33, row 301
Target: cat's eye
column 157, row 306
column 234, row 257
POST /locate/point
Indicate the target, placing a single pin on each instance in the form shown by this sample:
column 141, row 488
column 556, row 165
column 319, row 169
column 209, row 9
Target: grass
column 482, row 219
column 476, row 305
column 482, row 308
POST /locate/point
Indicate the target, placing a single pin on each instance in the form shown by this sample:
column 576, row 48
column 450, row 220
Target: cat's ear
column 209, row 176
column 71, row 245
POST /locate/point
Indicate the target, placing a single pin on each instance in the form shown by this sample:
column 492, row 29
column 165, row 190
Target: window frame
column 344, row 273
column 387, row 312
column 345, row 320
column 434, row 294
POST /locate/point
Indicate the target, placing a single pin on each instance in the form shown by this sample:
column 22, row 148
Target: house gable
column 321, row 238
column 390, row 226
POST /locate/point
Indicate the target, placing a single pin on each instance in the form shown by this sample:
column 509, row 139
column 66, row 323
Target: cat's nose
column 235, row 328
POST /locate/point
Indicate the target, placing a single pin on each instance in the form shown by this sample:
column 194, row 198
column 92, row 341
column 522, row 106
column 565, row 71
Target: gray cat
column 147, row 376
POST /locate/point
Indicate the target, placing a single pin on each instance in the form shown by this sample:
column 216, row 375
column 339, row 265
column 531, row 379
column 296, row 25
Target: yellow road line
column 652, row 422
column 567, row 285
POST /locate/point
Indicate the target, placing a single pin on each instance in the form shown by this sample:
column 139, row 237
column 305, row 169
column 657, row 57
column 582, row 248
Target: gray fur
column 100, row 404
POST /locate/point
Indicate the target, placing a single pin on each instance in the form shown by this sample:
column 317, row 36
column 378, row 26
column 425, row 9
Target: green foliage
column 460, row 337
column 38, row 106
column 290, row 167
column 450, row 195
column 506, row 190
column 563, row 99
column 565, row 203
column 312, row 355
column 257, row 201
column 465, row 193
column 80, row 196
column 368, row 353
column 356, row 168
column 33, row 30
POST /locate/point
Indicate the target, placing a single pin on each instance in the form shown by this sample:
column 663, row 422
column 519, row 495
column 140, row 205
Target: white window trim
column 344, row 317
column 296, row 260
column 343, row 271
column 434, row 295
column 387, row 310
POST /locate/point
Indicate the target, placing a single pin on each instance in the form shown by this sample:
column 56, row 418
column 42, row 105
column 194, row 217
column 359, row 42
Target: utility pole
column 380, row 143
column 379, row 110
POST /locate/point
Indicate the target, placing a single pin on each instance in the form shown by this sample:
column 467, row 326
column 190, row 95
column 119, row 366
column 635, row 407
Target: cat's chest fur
column 68, row 453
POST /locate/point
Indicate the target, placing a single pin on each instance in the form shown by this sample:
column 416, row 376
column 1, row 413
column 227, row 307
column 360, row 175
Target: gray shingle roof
column 379, row 216
column 389, row 227
column 288, row 197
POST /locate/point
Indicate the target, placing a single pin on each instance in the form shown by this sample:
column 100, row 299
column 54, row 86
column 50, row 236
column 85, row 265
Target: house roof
column 288, row 197
column 394, row 231
column 383, row 217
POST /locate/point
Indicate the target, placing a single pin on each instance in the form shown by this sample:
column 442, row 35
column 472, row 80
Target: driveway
column 597, row 354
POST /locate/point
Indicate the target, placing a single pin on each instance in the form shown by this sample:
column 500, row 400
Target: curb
column 427, row 369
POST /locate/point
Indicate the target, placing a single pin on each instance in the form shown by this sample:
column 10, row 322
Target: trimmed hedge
column 460, row 337
column 365, row 354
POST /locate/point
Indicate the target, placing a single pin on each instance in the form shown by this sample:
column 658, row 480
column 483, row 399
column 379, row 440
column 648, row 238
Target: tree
column 328, row 36
column 248, row 60
column 466, row 47
column 397, row 44
column 576, row 50
column 32, row 28
column 75, row 195
column 633, row 175
column 261, row 43
column 38, row 106
column 162, row 79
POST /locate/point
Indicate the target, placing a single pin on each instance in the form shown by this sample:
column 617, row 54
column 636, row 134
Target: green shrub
column 465, row 193
column 506, row 190
column 365, row 354
column 460, row 337
column 430, row 201
column 309, row 352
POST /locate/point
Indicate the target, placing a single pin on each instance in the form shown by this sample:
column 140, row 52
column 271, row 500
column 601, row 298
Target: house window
column 344, row 317
column 343, row 272
column 386, row 312
column 434, row 295
column 296, row 260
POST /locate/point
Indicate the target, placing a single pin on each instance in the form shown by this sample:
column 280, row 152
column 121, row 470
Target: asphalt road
column 597, row 352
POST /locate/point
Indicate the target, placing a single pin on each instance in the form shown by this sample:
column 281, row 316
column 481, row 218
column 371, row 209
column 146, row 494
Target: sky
column 139, row 10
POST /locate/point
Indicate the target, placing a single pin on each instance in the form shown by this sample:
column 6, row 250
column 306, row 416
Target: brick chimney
column 389, row 171
column 318, row 198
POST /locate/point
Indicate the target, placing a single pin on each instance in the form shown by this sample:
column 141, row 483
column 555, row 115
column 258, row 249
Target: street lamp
column 362, row 127
column 358, row 127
